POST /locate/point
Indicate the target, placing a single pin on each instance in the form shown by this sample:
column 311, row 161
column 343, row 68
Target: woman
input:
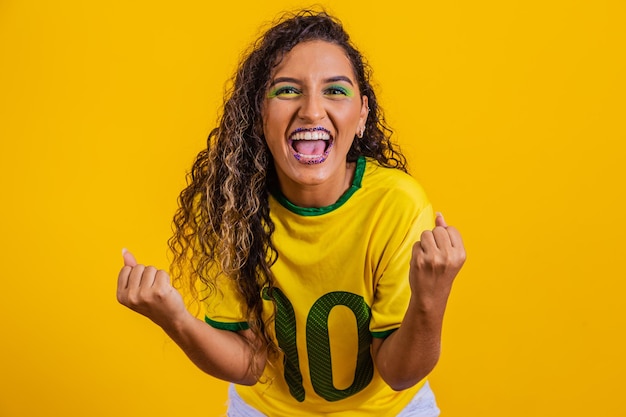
column 314, row 255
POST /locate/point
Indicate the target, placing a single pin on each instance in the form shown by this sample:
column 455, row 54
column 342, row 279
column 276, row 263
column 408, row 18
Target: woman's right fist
column 148, row 291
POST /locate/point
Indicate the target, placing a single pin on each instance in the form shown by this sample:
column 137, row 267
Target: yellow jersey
column 341, row 278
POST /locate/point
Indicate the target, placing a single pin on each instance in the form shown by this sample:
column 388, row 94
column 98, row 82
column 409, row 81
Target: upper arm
column 258, row 353
column 377, row 342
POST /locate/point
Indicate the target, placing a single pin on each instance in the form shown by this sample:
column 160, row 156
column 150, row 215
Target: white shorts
column 422, row 405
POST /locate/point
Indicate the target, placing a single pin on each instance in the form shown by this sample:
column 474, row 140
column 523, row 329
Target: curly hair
column 223, row 221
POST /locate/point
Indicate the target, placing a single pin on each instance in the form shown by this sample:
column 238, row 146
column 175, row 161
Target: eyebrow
column 297, row 81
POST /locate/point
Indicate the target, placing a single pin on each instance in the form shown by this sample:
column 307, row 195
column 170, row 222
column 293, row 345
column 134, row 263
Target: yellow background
column 511, row 112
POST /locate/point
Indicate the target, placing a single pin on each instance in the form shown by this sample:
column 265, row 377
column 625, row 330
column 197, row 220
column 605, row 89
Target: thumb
column 129, row 259
column 439, row 220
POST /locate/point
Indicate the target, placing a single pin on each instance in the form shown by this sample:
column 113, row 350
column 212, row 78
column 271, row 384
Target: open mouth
column 311, row 145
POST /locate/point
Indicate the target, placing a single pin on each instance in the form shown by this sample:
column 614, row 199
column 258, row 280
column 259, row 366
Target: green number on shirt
column 318, row 344
column 286, row 336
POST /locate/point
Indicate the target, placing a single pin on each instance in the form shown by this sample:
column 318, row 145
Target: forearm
column 410, row 353
column 223, row 354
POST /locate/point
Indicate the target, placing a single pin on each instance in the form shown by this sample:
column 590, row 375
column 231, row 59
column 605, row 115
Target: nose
column 312, row 109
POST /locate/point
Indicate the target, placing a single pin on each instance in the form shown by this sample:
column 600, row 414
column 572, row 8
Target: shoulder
column 394, row 184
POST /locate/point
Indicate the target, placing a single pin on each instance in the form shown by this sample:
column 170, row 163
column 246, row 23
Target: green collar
column 317, row 211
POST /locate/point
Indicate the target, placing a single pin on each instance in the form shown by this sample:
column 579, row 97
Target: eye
column 286, row 91
column 339, row 91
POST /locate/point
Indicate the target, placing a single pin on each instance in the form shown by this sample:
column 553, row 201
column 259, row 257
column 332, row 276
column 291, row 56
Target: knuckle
column 416, row 253
column 460, row 257
column 162, row 274
column 161, row 294
column 134, row 299
column 426, row 234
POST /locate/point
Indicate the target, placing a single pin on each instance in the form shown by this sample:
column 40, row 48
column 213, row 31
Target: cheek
column 272, row 120
column 350, row 120
column 272, row 132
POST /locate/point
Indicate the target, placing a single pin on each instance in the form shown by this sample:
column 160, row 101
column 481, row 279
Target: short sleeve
column 223, row 308
column 393, row 292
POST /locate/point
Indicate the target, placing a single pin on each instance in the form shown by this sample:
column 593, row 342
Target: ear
column 364, row 110
column 364, row 113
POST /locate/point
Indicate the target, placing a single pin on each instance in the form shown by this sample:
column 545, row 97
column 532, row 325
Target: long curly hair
column 223, row 226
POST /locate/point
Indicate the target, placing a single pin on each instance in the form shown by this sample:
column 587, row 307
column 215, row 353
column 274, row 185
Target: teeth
column 315, row 135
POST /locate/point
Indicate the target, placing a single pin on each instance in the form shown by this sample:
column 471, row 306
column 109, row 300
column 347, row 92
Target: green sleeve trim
column 233, row 327
column 318, row 211
column 383, row 334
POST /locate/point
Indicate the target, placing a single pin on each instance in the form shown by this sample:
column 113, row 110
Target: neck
column 319, row 194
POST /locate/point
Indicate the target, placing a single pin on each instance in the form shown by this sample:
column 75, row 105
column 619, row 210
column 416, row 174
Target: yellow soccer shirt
column 341, row 279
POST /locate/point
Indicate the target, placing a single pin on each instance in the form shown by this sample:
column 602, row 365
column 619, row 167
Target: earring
column 360, row 132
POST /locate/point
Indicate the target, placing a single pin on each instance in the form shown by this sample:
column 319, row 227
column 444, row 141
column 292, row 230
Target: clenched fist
column 148, row 291
column 435, row 262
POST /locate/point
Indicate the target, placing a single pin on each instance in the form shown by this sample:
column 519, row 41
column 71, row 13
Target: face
column 312, row 112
